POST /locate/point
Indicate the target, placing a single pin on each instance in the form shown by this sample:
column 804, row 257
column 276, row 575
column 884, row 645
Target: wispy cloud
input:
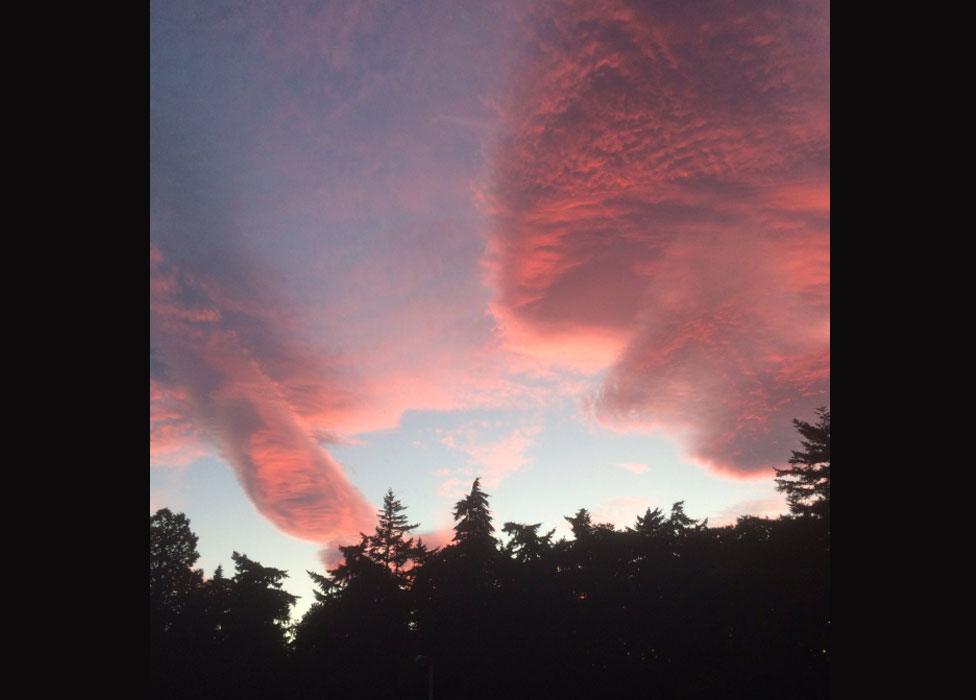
column 621, row 511
column 633, row 467
column 493, row 459
column 760, row 507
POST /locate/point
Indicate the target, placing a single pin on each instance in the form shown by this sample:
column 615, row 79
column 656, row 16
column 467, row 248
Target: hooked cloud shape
column 302, row 292
column 661, row 195
column 659, row 209
column 259, row 417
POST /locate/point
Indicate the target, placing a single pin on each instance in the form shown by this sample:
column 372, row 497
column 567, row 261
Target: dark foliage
column 217, row 638
column 806, row 481
column 667, row 608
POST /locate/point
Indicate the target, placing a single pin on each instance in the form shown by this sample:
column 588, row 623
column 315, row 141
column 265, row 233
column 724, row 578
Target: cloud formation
column 660, row 206
column 491, row 459
column 658, row 203
column 632, row 467
column 298, row 277
column 622, row 511
column 173, row 439
column 759, row 507
column 256, row 399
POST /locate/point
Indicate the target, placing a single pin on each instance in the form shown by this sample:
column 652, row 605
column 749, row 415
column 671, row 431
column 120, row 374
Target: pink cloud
column 438, row 538
column 760, row 507
column 297, row 137
column 173, row 439
column 453, row 487
column 621, row 511
column 663, row 187
column 252, row 399
column 659, row 204
column 493, row 460
column 632, row 467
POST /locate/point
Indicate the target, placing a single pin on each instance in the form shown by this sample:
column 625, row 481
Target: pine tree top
column 473, row 517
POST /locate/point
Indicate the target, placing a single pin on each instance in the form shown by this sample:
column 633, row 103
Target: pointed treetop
column 651, row 523
column 473, row 518
column 679, row 523
column 389, row 545
column 581, row 523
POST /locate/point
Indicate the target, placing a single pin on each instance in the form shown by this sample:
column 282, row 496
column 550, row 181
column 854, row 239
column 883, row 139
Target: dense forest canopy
column 669, row 607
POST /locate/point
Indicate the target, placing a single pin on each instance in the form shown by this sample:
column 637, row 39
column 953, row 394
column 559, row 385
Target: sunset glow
column 578, row 249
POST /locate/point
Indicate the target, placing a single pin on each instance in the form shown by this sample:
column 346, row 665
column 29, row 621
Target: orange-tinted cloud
column 316, row 251
column 173, row 439
column 241, row 384
column 661, row 197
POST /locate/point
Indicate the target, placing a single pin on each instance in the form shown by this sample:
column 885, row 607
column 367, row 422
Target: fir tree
column 807, row 481
column 389, row 545
column 473, row 530
column 580, row 523
column 651, row 523
column 258, row 595
column 679, row 523
column 583, row 526
column 526, row 543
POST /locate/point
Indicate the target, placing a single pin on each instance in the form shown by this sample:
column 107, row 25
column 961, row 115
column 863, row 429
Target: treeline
column 666, row 608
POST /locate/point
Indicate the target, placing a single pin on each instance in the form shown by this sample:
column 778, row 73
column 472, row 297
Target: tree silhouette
column 174, row 588
column 388, row 545
column 650, row 524
column 217, row 603
column 419, row 555
column 473, row 529
column 669, row 606
column 580, row 523
column 258, row 597
column 172, row 554
column 526, row 543
column 679, row 524
column 807, row 481
column 357, row 574
column 253, row 630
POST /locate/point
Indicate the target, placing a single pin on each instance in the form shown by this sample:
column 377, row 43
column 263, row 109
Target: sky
column 578, row 249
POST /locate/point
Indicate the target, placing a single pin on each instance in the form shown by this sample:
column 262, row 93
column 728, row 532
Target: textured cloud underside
column 664, row 182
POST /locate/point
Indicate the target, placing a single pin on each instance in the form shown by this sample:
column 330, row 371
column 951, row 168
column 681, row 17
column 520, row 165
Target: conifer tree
column 679, row 523
column 807, row 481
column 651, row 523
column 354, row 562
column 580, row 523
column 218, row 596
column 172, row 554
column 420, row 554
column 473, row 530
column 526, row 543
column 254, row 627
column 583, row 525
column 258, row 597
column 389, row 546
